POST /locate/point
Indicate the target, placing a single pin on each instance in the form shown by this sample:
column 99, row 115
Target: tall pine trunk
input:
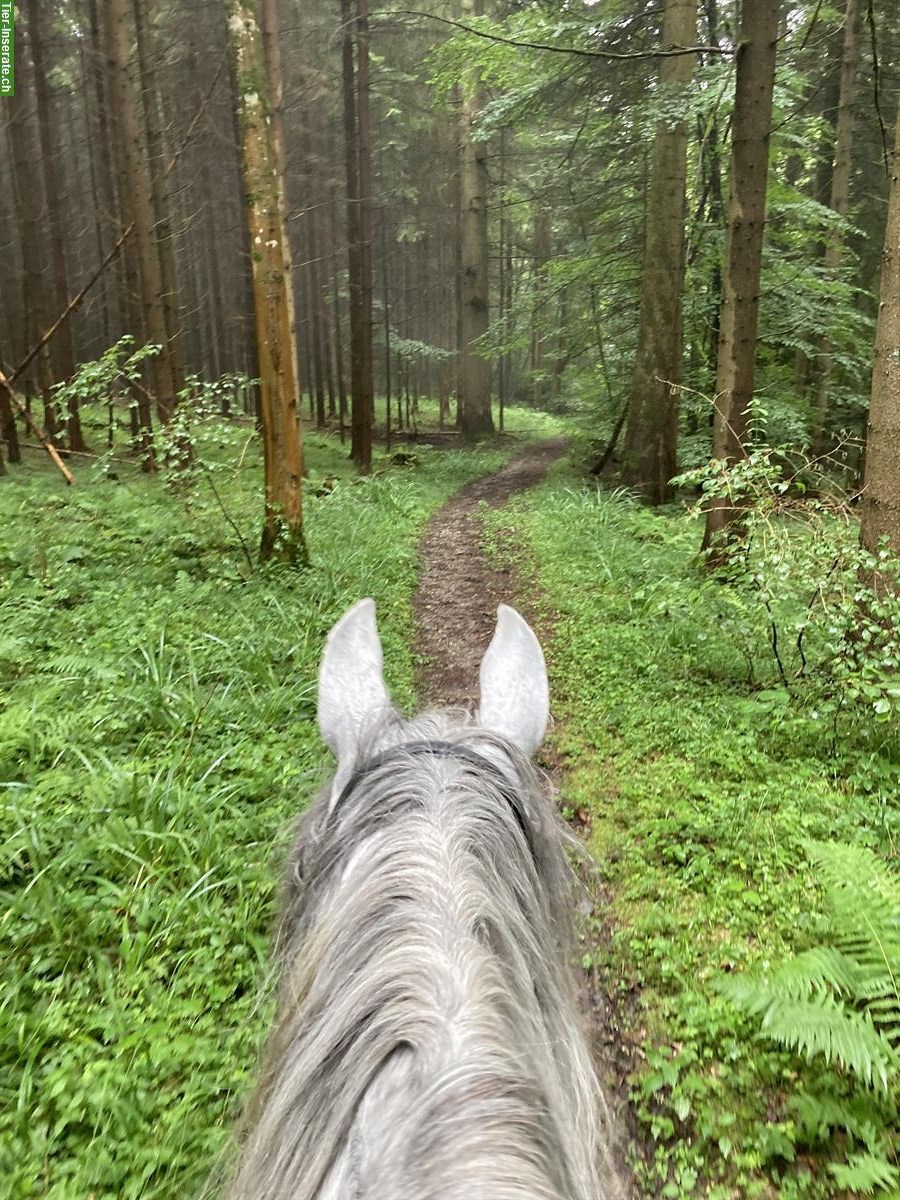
column 475, row 371
column 360, row 328
column 652, row 431
column 62, row 343
column 754, row 84
column 881, row 489
column 282, row 535
column 163, row 236
column 839, row 202
column 25, row 189
column 136, row 182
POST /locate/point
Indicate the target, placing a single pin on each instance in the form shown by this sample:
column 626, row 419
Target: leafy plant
column 839, row 1001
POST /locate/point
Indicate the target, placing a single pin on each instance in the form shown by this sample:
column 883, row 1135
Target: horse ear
column 515, row 696
column 352, row 694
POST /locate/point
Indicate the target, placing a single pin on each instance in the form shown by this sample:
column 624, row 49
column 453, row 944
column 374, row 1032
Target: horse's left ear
column 352, row 694
column 515, row 696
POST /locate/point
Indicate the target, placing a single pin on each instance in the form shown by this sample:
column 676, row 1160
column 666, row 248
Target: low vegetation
column 157, row 738
column 739, row 817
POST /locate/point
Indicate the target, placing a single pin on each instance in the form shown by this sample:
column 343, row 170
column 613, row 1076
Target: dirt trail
column 455, row 606
column 455, row 611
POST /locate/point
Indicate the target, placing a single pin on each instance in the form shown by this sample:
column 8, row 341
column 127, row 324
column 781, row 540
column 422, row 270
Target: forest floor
column 450, row 640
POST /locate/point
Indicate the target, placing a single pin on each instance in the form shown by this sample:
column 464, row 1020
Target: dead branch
column 36, row 430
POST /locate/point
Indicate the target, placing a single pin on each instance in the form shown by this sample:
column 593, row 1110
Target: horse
column 427, row 1043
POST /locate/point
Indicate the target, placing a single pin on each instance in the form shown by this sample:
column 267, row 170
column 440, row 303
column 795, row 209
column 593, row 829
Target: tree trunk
column 338, row 332
column 362, row 426
column 272, row 55
column 162, row 224
column 881, row 489
column 136, row 182
column 754, row 82
column 475, row 371
column 30, row 233
column 282, row 534
column 652, row 433
column 65, row 351
column 359, row 387
column 8, row 431
column 839, row 201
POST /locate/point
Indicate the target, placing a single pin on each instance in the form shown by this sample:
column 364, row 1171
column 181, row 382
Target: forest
column 589, row 307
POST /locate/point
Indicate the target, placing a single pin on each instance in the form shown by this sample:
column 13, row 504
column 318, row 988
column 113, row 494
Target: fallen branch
column 36, row 430
column 129, row 462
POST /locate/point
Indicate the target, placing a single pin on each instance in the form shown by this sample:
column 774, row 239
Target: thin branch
column 675, row 52
column 227, row 515
column 36, row 430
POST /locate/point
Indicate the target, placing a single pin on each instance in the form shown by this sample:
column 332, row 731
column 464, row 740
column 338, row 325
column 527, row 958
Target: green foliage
column 157, row 740
column 701, row 787
column 840, row 1001
column 795, row 577
column 96, row 382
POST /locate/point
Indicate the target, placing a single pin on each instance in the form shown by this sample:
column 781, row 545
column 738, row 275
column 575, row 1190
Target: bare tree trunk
column 162, row 224
column 386, row 293
column 65, row 351
column 29, row 230
column 363, row 426
column 881, row 489
column 358, row 386
column 272, row 54
column 338, row 335
column 751, row 123
column 107, row 187
column 282, row 534
column 475, row 371
column 652, row 432
column 136, row 182
column 839, row 202
column 541, row 254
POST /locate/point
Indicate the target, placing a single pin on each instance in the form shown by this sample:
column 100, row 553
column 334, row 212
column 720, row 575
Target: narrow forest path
column 455, row 612
column 455, row 606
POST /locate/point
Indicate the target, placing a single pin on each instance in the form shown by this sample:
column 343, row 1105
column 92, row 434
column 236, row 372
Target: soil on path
column 455, row 612
column 455, row 606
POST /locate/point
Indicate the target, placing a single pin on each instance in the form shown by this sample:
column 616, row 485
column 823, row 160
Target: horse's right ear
column 352, row 695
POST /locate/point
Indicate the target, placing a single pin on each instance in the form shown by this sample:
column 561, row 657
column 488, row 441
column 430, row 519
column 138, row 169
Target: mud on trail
column 455, row 607
column 455, row 612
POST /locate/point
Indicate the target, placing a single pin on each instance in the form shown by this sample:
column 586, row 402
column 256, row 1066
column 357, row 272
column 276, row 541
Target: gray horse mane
column 427, row 1044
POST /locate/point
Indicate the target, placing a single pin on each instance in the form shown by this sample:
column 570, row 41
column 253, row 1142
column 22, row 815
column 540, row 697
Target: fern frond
column 824, row 1026
column 865, row 1173
column 819, row 1114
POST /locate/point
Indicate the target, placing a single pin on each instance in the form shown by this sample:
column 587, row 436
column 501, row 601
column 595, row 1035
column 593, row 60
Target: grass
column 701, row 791
column 157, row 738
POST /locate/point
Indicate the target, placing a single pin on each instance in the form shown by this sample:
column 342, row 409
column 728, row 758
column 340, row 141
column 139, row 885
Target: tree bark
column 65, row 351
column 475, row 371
column 649, row 460
column 362, row 422
column 136, row 181
column 839, row 202
column 881, row 487
column 30, row 233
column 162, row 224
column 754, row 83
column 282, row 535
column 358, row 387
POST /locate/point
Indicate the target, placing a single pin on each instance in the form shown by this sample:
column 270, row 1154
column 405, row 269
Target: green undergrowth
column 703, row 788
column 157, row 738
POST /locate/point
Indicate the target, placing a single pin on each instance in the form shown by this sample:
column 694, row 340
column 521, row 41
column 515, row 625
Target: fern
column 840, row 1002
column 866, row 1173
